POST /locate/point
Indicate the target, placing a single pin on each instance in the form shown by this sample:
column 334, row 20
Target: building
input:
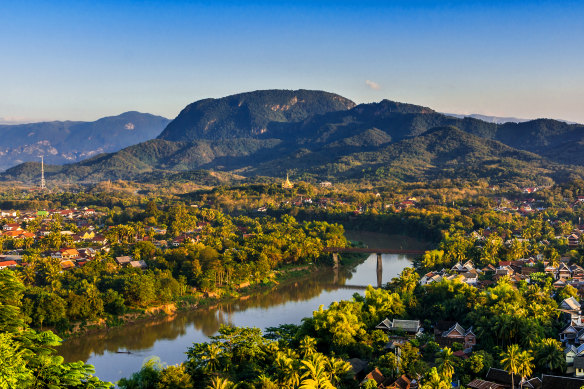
column 287, row 184
column 458, row 334
column 410, row 327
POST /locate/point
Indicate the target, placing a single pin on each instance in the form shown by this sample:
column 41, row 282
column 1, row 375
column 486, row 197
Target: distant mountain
column 325, row 136
column 497, row 119
column 69, row 141
column 488, row 119
column 249, row 114
column 439, row 153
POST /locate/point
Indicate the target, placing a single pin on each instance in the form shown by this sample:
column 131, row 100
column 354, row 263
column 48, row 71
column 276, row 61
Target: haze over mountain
column 71, row 141
column 320, row 135
column 496, row 119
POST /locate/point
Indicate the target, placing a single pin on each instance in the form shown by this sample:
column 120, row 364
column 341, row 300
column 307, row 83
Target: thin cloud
column 372, row 84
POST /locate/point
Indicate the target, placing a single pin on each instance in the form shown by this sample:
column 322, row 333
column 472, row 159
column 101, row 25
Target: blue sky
column 82, row 60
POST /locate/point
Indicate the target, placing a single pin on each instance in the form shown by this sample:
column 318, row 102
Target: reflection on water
column 169, row 337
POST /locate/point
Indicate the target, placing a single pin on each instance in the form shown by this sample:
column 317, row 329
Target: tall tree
column 511, row 361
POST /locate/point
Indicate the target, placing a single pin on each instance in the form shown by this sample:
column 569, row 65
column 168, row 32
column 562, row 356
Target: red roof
column 8, row 263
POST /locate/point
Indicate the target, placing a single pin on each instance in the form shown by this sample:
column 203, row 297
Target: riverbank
column 286, row 275
column 168, row 337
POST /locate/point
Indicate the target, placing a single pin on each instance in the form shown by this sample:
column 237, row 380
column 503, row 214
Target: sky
column 82, row 60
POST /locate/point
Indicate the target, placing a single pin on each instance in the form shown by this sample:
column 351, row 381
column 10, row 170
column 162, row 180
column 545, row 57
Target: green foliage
column 28, row 359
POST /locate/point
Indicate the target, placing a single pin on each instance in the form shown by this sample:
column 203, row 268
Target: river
column 169, row 337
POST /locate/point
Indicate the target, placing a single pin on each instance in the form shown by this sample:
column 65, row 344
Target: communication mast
column 43, row 186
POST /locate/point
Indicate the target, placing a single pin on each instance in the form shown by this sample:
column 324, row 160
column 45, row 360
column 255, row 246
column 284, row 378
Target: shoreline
column 159, row 313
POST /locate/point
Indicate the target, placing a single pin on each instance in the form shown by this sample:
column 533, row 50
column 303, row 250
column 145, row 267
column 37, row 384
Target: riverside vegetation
column 240, row 234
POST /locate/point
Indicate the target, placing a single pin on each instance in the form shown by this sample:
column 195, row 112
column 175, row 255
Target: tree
column 435, row 381
column 307, row 346
column 315, row 375
column 525, row 365
column 13, row 370
column 23, row 349
column 511, row 361
column 174, row 377
column 549, row 355
column 445, row 362
column 220, row 383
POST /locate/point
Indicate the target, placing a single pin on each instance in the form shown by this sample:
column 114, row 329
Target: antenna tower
column 43, row 173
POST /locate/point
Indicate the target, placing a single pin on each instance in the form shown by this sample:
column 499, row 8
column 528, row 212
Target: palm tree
column 287, row 371
column 525, row 365
column 220, row 383
column 445, row 362
column 307, row 346
column 337, row 368
column 266, row 382
column 434, row 381
column 315, row 375
column 550, row 355
column 212, row 357
column 510, row 361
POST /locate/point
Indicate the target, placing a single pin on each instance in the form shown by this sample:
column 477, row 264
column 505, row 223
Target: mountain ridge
column 71, row 141
column 251, row 134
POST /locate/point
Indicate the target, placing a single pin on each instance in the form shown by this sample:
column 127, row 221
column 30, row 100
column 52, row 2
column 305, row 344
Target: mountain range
column 71, row 141
column 320, row 135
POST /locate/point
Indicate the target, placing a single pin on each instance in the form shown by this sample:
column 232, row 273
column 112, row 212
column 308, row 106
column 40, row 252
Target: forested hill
column 70, row 141
column 319, row 135
column 249, row 114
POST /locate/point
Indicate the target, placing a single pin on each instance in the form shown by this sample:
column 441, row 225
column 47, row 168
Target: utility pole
column 43, row 187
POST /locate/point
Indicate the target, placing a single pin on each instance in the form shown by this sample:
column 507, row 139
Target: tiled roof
column 407, row 325
column 555, row 382
column 480, row 384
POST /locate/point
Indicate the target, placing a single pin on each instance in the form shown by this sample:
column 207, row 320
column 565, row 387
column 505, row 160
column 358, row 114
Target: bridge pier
column 379, row 271
column 336, row 260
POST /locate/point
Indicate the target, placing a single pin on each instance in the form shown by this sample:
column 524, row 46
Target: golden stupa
column 287, row 184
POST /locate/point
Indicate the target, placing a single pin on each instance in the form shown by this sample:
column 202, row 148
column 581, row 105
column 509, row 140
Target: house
column 66, row 265
column 456, row 333
column 124, row 260
column 579, row 366
column 571, row 305
column 471, row 277
column 87, row 235
column 502, row 378
column 569, row 334
column 564, row 272
column 570, row 353
column 402, row 382
column 358, row 367
column 411, row 327
column 376, row 376
column 182, row 239
column 12, row 227
column 69, row 253
column 555, row 382
column 481, row 384
column 9, row 264
column 573, row 240
column 138, row 264
column 99, row 239
column 577, row 272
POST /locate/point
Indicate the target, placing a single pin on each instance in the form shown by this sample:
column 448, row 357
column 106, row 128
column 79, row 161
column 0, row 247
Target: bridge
column 336, row 250
column 371, row 250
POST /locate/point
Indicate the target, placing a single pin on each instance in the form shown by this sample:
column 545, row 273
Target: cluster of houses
column 521, row 269
column 86, row 221
column 572, row 336
column 446, row 334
